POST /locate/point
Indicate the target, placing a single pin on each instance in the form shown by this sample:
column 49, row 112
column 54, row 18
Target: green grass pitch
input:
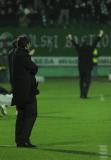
column 67, row 128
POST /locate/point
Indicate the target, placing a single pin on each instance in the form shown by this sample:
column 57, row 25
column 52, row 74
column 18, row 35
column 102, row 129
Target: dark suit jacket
column 10, row 62
column 24, row 86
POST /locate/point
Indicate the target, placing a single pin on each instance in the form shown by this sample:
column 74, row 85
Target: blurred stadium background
column 48, row 22
column 68, row 128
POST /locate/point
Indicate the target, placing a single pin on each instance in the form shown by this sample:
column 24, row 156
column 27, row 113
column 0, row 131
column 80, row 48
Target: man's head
column 24, row 42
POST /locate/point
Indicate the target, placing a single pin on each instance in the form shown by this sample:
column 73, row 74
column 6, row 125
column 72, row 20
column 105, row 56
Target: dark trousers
column 25, row 120
column 85, row 80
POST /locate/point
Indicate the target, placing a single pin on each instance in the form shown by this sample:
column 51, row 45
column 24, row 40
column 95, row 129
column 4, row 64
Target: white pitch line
column 103, row 150
column 7, row 145
column 57, row 145
column 101, row 147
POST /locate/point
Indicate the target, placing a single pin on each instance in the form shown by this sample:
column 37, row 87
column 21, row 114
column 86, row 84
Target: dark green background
column 61, row 32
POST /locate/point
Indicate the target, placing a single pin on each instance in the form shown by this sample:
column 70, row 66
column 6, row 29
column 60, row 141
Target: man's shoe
column 32, row 145
column 83, row 97
column 26, row 145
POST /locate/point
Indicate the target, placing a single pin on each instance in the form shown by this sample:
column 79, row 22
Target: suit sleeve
column 29, row 65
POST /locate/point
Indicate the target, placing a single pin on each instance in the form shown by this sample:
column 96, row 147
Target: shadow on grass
column 13, row 117
column 76, row 143
column 66, row 143
column 65, row 151
column 82, row 153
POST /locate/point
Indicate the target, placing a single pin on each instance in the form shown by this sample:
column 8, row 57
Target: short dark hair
column 23, row 40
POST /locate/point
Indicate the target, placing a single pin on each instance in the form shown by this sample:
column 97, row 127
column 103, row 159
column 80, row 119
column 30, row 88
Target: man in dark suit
column 85, row 62
column 24, row 89
column 10, row 58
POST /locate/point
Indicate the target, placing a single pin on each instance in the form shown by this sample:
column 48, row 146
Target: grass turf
column 67, row 128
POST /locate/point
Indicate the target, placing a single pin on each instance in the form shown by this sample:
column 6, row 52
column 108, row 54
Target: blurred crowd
column 49, row 12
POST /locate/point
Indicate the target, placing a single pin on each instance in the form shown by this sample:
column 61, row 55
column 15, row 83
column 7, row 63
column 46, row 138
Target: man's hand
column 70, row 37
column 31, row 53
column 101, row 32
column 2, row 68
